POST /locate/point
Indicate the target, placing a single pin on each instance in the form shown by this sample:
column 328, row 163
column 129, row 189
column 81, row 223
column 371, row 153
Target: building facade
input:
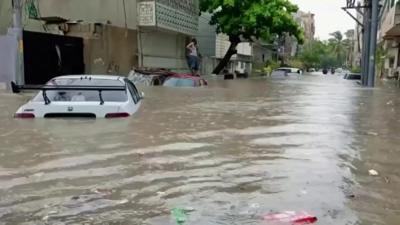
column 389, row 39
column 358, row 42
column 117, row 35
column 213, row 46
column 242, row 61
column 307, row 22
column 289, row 46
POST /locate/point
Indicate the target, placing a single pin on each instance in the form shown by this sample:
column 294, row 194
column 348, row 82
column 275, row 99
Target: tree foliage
column 248, row 19
column 312, row 54
column 251, row 19
column 337, row 45
column 335, row 52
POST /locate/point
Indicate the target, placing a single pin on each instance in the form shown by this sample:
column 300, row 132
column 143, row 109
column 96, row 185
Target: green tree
column 251, row 19
column 337, row 46
column 312, row 54
column 349, row 46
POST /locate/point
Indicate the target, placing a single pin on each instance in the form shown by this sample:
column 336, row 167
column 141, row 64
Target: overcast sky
column 329, row 16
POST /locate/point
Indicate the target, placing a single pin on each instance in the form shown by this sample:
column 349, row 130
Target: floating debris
column 124, row 201
column 179, row 215
column 103, row 191
column 372, row 133
column 161, row 193
column 373, row 173
column 294, row 218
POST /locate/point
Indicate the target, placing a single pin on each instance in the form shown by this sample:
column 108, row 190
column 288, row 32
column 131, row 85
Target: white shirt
column 193, row 49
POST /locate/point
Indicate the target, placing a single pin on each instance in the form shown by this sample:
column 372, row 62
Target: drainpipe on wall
column 140, row 48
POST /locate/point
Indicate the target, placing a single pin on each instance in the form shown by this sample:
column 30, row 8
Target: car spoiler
column 18, row 88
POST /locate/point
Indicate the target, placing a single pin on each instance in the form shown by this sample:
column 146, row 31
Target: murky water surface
column 232, row 152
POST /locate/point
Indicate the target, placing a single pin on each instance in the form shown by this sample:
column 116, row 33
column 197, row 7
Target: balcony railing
column 174, row 15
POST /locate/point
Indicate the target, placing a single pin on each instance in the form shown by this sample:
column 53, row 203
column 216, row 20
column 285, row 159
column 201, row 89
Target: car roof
column 288, row 68
column 186, row 76
column 100, row 77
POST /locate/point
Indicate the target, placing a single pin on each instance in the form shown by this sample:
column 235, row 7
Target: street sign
column 147, row 13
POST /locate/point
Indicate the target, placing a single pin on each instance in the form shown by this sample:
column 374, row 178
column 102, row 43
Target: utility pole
column 370, row 32
column 17, row 31
column 366, row 44
column 373, row 40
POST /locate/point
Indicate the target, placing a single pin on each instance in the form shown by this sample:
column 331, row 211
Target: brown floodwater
column 232, row 152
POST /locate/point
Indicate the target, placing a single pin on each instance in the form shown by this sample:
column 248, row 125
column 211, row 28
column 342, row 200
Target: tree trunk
column 228, row 55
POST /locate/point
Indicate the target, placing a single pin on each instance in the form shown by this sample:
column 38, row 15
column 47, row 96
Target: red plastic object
column 292, row 218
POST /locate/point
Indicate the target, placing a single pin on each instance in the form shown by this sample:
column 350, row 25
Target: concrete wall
column 392, row 55
column 5, row 16
column 116, row 49
column 387, row 22
column 93, row 11
column 8, row 46
column 261, row 55
column 107, row 49
column 165, row 50
column 222, row 46
column 207, row 65
column 206, row 36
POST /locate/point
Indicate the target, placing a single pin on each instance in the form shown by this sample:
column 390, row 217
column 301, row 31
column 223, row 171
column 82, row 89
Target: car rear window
column 84, row 96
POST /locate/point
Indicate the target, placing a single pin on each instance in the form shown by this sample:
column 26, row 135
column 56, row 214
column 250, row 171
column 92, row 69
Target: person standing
column 193, row 57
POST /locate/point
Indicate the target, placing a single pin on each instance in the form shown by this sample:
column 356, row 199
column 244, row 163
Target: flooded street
column 232, row 152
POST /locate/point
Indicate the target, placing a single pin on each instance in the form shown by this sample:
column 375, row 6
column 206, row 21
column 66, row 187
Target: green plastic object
column 179, row 215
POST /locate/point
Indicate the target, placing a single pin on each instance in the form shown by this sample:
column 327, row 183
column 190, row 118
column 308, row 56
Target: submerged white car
column 86, row 96
column 285, row 71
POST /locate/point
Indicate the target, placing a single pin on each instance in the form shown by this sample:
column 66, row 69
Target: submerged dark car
column 352, row 76
column 185, row 81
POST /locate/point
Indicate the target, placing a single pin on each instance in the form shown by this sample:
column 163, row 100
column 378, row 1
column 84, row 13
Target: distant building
column 111, row 36
column 242, row 61
column 350, row 40
column 307, row 21
column 289, row 46
column 358, row 42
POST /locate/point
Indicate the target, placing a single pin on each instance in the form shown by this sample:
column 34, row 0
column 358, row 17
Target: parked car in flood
column 352, row 76
column 286, row 71
column 83, row 96
column 185, row 81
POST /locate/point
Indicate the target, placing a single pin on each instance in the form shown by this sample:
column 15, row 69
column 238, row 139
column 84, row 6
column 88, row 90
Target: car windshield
column 179, row 82
column 83, row 96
